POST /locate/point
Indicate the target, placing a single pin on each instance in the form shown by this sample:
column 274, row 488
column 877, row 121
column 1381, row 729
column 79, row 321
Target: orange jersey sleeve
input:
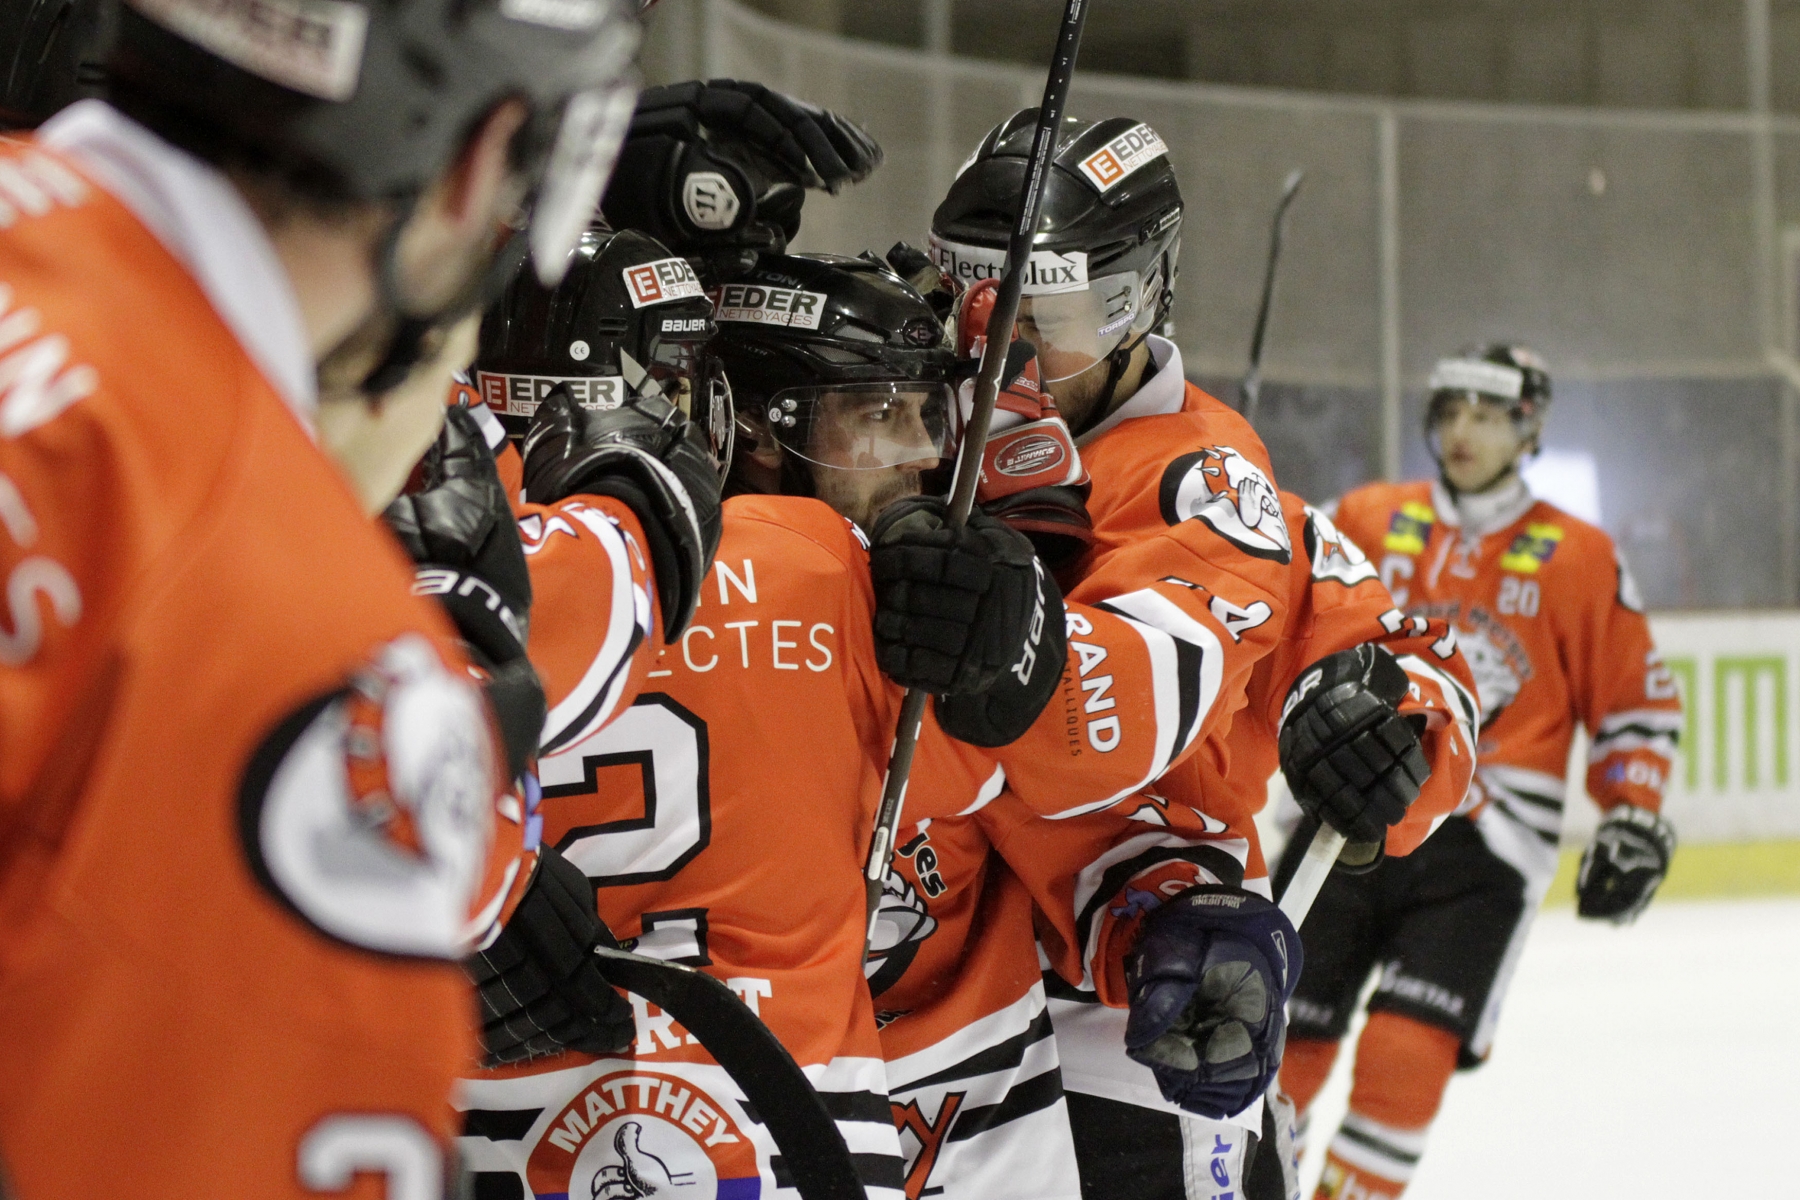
column 1185, row 591
column 246, row 787
column 595, row 624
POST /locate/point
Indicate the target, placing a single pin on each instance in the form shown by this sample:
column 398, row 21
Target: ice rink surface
column 1653, row 1062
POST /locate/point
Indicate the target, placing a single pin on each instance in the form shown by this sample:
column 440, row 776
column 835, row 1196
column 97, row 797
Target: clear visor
column 1445, row 404
column 866, row 426
column 1075, row 331
column 581, row 160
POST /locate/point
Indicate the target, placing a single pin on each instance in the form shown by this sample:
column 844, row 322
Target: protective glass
column 863, row 426
column 581, row 160
column 1075, row 331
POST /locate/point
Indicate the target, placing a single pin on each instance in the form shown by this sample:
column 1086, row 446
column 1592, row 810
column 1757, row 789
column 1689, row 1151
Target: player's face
column 1477, row 443
column 869, row 449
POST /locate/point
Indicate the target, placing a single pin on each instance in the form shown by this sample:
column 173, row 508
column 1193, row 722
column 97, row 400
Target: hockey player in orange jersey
column 1169, row 464
column 247, row 793
column 1554, row 629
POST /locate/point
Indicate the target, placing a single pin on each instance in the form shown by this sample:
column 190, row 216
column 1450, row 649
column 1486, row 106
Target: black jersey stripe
column 499, row 1124
column 870, row 1107
column 1033, row 1095
column 1001, row 1056
column 1371, row 1142
column 872, row 1170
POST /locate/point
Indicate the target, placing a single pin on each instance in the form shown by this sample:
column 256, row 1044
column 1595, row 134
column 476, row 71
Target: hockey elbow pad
column 1624, row 865
column 1209, row 981
column 1349, row 757
column 539, row 984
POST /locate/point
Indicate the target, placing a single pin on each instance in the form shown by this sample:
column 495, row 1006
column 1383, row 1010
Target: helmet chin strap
column 1116, row 364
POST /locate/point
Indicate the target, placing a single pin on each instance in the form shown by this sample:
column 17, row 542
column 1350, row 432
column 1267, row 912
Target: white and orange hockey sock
column 1402, row 1068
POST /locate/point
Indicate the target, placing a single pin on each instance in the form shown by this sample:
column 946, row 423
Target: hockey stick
column 987, row 391
column 1250, row 390
column 1304, row 884
column 775, row 1087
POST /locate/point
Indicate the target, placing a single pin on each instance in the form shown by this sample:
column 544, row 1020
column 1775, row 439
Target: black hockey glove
column 646, row 454
column 725, row 162
column 459, row 528
column 1350, row 758
column 540, row 984
column 1209, row 981
column 968, row 615
column 1625, row 864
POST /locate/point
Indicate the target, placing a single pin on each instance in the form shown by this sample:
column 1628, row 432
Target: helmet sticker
column 575, row 15
column 1475, row 375
column 310, row 46
column 757, row 305
column 1047, row 273
column 519, row 395
column 1135, row 148
column 709, row 200
column 661, row 281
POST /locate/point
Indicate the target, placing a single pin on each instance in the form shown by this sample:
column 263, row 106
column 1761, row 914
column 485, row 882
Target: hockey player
column 667, row 809
column 1554, row 628
column 1155, row 446
column 247, row 795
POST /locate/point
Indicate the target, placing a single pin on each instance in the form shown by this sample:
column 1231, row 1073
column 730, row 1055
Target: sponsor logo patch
column 633, row 1133
column 1030, row 455
column 310, row 46
column 756, row 304
column 1047, row 273
column 520, row 395
column 1135, row 148
column 661, row 281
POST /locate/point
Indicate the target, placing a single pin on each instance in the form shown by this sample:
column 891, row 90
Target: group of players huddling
column 339, row 726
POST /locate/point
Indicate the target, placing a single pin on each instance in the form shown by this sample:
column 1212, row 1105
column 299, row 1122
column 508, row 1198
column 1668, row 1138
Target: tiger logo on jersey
column 1497, row 684
column 633, row 1133
column 368, row 811
column 1232, row 495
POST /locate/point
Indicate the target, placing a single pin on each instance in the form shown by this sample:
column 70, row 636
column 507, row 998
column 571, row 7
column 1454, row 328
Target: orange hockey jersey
column 247, row 792
column 724, row 816
column 1555, row 633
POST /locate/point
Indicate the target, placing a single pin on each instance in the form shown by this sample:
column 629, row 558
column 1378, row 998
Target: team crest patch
column 635, row 1133
column 1230, row 493
column 368, row 812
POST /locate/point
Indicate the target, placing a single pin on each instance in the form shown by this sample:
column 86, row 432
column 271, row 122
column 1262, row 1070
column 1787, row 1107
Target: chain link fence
column 1647, row 255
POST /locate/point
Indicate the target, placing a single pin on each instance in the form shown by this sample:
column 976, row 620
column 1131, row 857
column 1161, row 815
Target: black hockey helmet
column 817, row 342
column 1497, row 373
column 1103, row 263
column 49, row 57
column 628, row 318
column 358, row 100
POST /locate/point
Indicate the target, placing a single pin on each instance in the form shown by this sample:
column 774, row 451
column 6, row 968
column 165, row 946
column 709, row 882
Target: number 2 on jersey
column 665, row 747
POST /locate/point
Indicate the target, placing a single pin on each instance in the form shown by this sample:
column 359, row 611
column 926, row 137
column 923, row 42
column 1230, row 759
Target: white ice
column 1655, row 1062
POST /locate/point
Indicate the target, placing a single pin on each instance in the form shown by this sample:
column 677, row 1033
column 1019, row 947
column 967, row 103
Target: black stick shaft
column 974, row 440
column 1251, row 387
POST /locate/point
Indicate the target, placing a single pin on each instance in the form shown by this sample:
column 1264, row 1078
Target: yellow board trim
column 1726, row 870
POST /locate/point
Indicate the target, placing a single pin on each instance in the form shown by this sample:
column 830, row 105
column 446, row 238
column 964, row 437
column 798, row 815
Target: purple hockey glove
column 1209, row 981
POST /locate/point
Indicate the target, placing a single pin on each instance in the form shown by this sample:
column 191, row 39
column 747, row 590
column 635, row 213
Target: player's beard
column 857, row 496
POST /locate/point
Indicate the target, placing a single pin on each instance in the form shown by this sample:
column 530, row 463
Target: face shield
column 587, row 145
column 1075, row 331
column 863, row 426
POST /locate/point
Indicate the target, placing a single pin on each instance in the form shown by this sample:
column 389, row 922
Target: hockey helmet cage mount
column 628, row 318
column 1104, row 260
column 1500, row 372
column 799, row 334
column 363, row 100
